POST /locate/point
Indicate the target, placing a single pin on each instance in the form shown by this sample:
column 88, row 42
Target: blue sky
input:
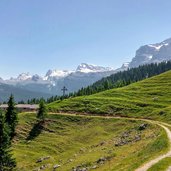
column 37, row 35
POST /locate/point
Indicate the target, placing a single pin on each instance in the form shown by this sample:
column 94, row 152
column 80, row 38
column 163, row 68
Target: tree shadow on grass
column 36, row 130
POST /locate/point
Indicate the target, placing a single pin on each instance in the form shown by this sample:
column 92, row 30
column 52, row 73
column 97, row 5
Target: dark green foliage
column 35, row 101
column 42, row 112
column 11, row 116
column 7, row 163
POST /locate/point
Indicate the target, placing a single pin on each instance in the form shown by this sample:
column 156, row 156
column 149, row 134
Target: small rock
column 56, row 166
column 142, row 127
column 39, row 160
column 42, row 159
column 43, row 167
column 46, row 158
column 94, row 167
column 70, row 160
column 137, row 137
column 101, row 160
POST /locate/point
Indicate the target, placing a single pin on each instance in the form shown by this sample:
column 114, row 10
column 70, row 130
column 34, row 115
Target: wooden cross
column 64, row 90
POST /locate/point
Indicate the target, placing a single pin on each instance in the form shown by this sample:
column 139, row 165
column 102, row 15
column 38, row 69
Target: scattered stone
column 46, row 158
column 142, row 127
column 80, row 168
column 70, row 160
column 137, row 138
column 101, row 160
column 43, row 167
column 56, row 166
column 94, row 167
column 39, row 160
column 82, row 150
column 42, row 159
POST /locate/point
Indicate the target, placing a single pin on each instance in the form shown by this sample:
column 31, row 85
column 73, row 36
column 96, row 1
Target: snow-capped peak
column 158, row 45
column 24, row 76
column 57, row 73
column 53, row 75
column 88, row 68
column 125, row 65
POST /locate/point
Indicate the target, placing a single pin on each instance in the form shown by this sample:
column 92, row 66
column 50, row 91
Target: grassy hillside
column 71, row 141
column 150, row 98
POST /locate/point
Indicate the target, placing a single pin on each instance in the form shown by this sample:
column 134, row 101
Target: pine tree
column 11, row 117
column 7, row 163
column 42, row 112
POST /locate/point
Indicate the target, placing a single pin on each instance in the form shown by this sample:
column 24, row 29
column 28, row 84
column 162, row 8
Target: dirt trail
column 149, row 164
column 165, row 126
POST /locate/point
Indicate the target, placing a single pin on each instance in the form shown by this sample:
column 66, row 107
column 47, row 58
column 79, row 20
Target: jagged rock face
column 152, row 53
column 86, row 68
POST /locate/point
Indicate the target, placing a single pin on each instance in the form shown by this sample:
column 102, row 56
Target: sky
column 37, row 35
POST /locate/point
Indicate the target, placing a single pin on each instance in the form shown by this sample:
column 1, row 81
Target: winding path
column 149, row 164
column 165, row 126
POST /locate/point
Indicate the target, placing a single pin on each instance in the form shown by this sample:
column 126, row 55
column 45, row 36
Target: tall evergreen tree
column 11, row 117
column 7, row 163
column 42, row 112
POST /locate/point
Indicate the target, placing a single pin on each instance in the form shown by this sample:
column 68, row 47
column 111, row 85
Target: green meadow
column 150, row 98
column 85, row 142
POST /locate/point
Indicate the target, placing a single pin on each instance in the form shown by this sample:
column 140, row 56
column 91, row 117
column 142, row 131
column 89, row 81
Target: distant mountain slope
column 152, row 53
column 150, row 98
column 19, row 93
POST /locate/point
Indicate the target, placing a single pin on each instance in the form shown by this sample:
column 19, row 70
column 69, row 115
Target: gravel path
column 148, row 165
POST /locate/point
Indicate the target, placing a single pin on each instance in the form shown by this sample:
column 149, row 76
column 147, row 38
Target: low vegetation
column 70, row 142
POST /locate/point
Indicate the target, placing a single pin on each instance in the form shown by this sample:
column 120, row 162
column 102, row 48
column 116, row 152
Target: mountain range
column 53, row 81
column 84, row 75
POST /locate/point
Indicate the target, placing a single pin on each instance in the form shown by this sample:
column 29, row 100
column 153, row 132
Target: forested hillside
column 124, row 78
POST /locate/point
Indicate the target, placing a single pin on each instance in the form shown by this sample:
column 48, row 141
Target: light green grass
column 150, row 98
column 74, row 140
column 163, row 165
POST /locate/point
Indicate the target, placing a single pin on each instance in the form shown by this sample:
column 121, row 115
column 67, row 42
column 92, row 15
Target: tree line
column 125, row 78
column 8, row 124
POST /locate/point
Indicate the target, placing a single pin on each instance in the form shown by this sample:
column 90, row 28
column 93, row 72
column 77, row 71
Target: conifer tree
column 42, row 112
column 7, row 163
column 11, row 117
